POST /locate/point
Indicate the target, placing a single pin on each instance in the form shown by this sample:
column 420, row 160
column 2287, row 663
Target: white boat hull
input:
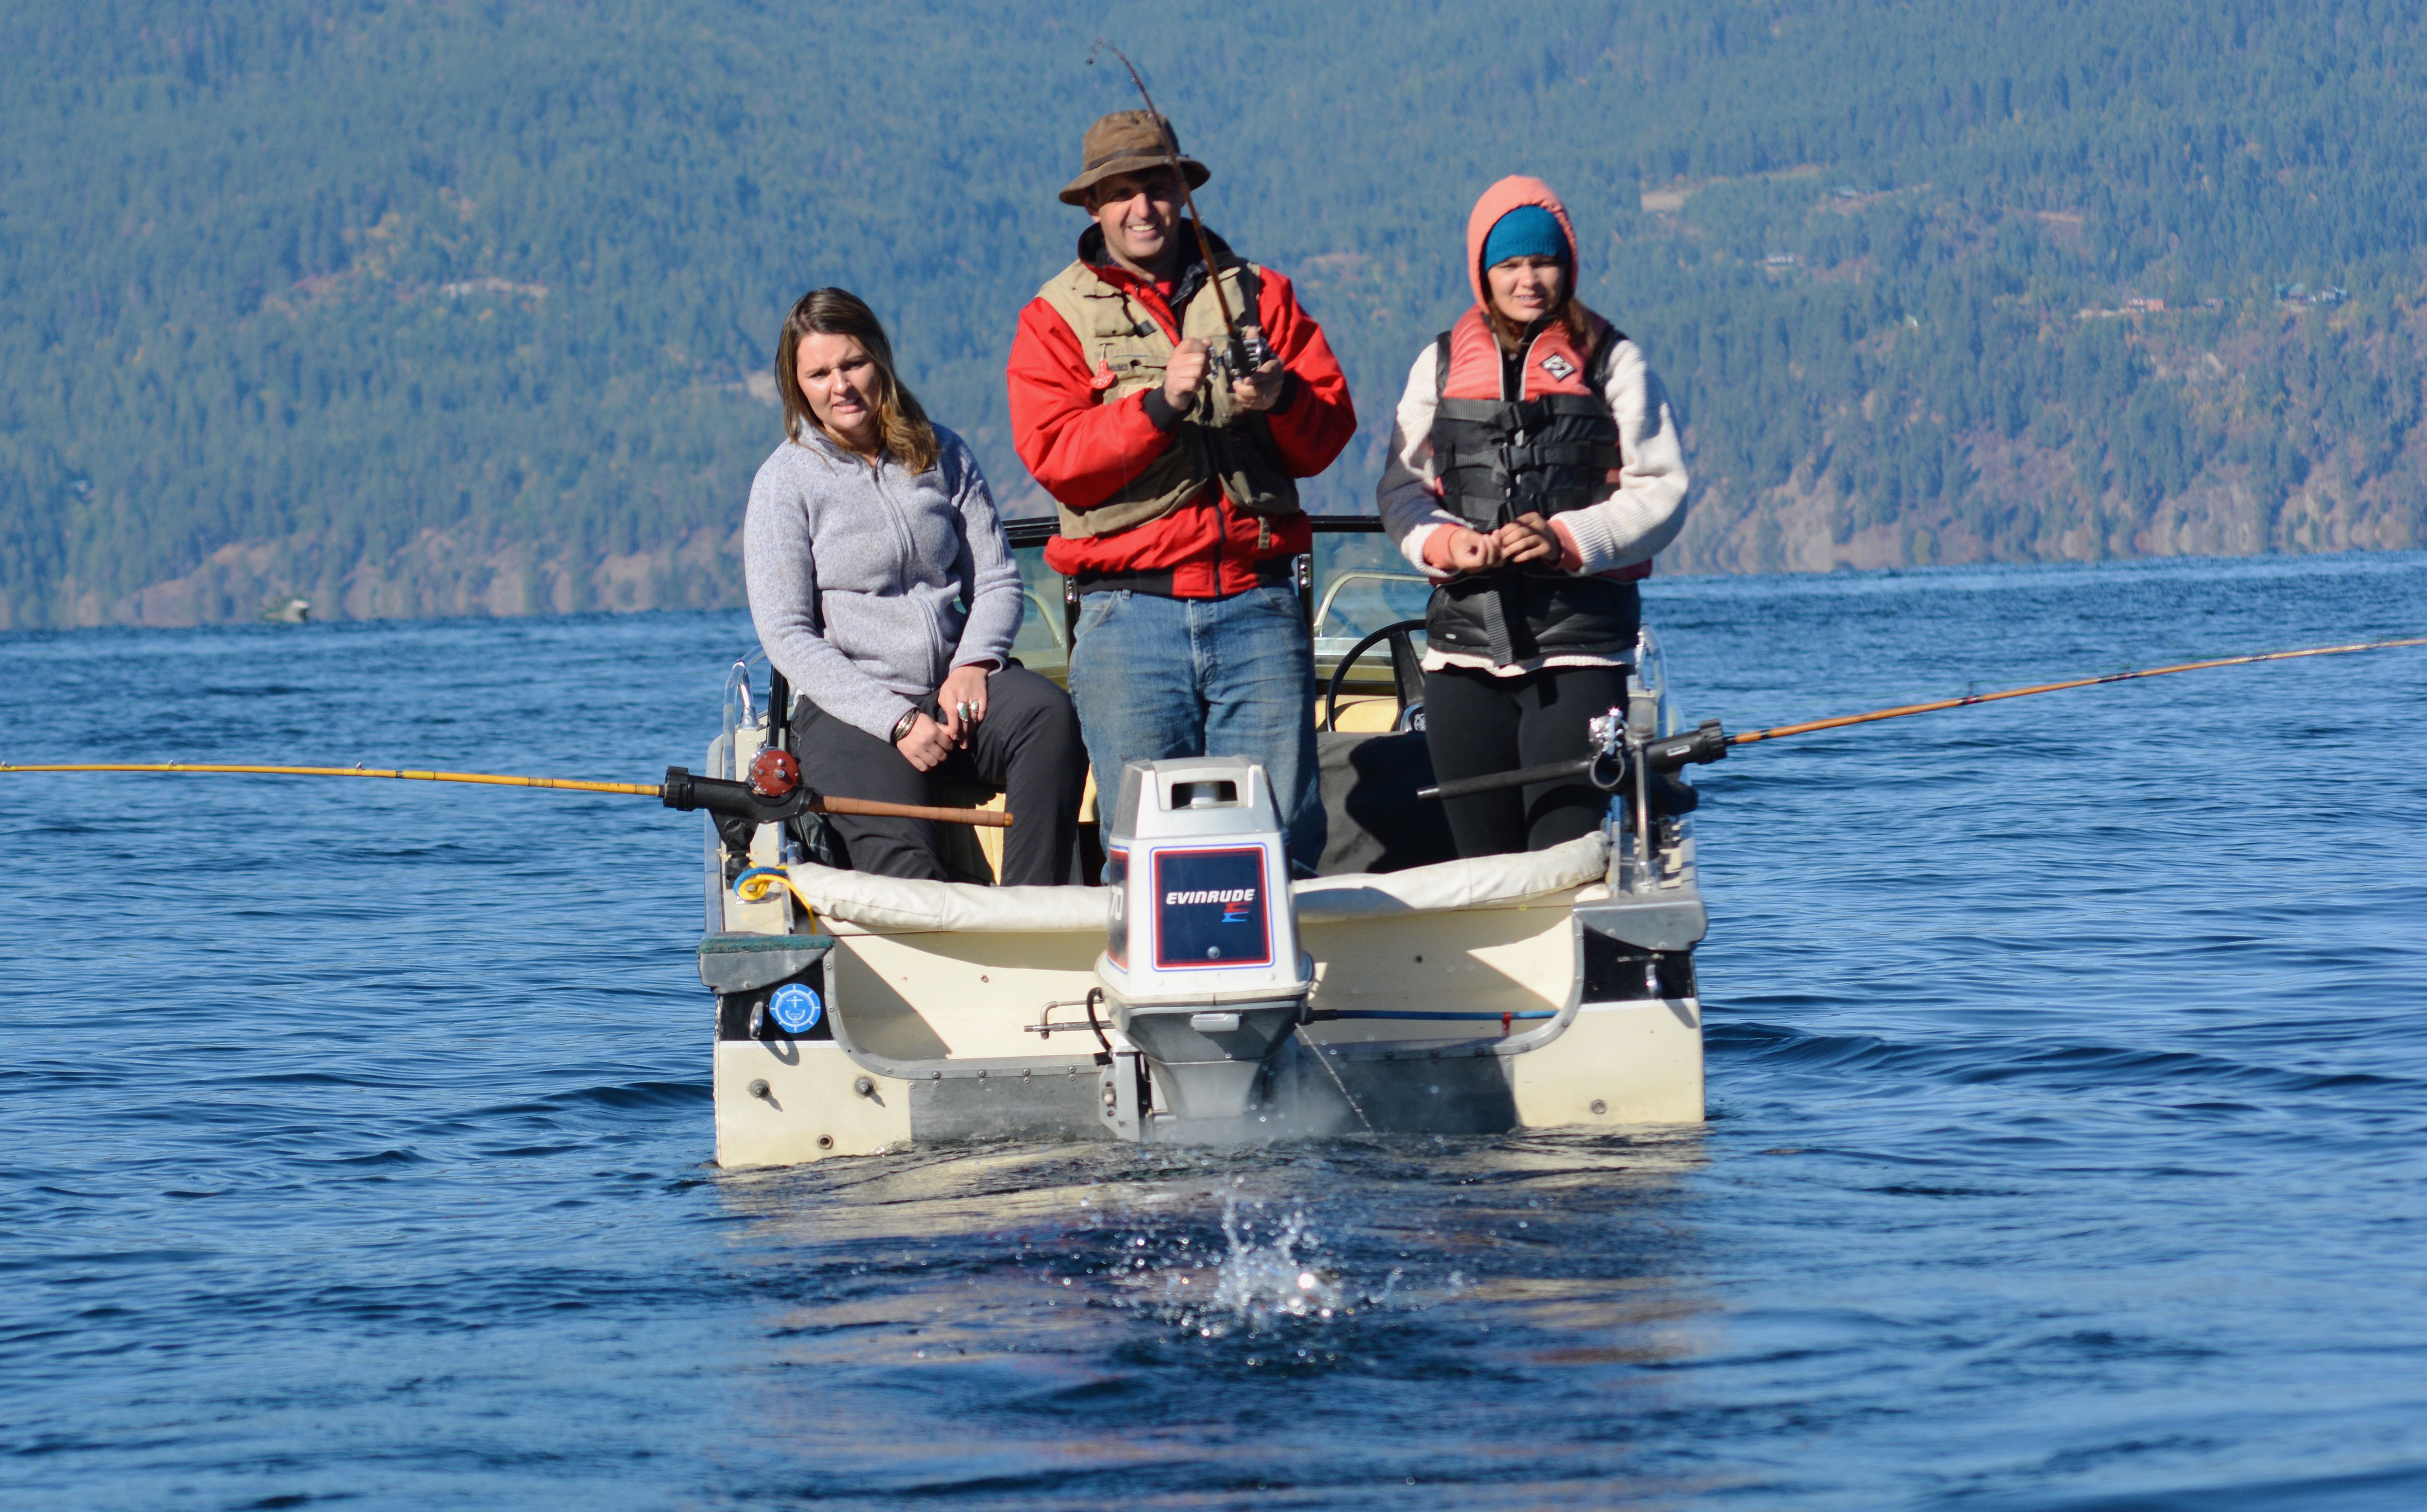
column 1552, row 989
column 926, row 1039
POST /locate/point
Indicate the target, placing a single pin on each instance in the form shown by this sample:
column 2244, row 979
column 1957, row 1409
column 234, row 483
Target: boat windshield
column 1357, row 583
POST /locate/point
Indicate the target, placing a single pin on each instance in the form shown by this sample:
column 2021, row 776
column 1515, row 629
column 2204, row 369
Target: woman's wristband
column 903, row 725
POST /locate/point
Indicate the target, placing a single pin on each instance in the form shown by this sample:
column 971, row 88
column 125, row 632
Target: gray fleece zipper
column 860, row 619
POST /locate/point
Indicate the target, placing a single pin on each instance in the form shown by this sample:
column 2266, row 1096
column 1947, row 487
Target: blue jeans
column 1156, row 678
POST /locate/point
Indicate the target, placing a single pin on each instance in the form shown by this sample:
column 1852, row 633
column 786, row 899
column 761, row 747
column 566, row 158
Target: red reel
column 774, row 773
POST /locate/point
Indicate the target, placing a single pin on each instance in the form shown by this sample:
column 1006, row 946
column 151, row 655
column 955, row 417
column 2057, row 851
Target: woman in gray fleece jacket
column 883, row 590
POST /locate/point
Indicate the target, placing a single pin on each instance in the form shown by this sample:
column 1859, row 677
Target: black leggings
column 1028, row 746
column 1477, row 723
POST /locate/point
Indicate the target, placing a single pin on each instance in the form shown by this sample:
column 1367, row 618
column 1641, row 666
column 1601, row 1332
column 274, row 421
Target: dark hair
column 834, row 312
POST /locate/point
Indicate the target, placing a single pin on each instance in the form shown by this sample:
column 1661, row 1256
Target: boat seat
column 1485, row 882
column 964, row 857
column 1375, row 822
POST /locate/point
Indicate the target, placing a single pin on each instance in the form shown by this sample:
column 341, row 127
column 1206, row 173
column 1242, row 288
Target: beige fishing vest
column 1215, row 442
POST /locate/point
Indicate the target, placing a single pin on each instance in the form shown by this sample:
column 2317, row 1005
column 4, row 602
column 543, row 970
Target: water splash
column 1272, row 1280
column 1268, row 1276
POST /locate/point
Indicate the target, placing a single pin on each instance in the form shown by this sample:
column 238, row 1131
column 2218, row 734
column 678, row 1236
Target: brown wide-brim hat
column 1126, row 141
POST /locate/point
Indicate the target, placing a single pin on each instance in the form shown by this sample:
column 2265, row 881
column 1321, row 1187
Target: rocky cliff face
column 1795, row 530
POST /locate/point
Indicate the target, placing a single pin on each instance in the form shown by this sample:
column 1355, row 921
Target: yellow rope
column 757, row 883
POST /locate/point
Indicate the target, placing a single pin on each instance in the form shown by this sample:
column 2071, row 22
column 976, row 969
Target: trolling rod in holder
column 1245, row 351
column 773, row 794
column 1621, row 752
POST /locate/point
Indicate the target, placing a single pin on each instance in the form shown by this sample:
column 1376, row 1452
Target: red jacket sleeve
column 1079, row 449
column 1315, row 425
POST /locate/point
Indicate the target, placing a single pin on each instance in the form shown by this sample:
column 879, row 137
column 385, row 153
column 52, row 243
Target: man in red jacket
column 1177, row 479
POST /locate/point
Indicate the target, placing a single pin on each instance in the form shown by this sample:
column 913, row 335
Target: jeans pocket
column 1281, row 598
column 1096, row 607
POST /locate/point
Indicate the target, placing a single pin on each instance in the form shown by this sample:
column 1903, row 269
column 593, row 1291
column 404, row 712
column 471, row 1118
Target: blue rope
column 1394, row 1012
column 747, row 872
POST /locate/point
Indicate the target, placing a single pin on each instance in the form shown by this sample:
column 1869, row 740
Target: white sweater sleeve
column 1406, row 498
column 1647, row 508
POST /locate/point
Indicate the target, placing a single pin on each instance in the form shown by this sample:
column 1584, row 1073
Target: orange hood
column 1502, row 197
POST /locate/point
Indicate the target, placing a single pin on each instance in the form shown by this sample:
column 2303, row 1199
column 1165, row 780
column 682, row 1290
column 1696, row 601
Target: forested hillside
column 449, row 307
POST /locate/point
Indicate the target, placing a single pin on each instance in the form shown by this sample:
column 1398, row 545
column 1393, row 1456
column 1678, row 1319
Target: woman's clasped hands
column 962, row 701
column 1524, row 538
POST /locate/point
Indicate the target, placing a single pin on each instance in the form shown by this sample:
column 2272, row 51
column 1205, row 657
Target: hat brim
column 1075, row 192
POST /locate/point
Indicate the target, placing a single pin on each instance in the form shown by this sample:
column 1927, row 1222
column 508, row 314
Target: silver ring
column 965, row 712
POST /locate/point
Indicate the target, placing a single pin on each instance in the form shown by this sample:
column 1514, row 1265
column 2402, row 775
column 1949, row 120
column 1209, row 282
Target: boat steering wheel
column 1404, row 669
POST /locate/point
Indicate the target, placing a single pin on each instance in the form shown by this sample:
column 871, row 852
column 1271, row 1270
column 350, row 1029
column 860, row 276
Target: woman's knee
column 1036, row 725
column 1055, row 741
column 1034, row 705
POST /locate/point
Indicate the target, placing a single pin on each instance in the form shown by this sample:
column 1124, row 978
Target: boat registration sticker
column 1210, row 908
column 796, row 1008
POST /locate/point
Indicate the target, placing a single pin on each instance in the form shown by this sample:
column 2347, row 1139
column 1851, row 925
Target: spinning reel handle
column 1244, row 352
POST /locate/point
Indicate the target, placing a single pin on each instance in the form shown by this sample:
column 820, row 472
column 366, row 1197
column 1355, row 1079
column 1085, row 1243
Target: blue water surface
column 2068, row 1140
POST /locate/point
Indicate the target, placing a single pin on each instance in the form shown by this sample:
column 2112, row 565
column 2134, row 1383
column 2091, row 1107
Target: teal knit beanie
column 1528, row 231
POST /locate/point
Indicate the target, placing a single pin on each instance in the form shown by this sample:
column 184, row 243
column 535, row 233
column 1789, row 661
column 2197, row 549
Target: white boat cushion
column 898, row 905
column 1485, row 882
column 903, row 905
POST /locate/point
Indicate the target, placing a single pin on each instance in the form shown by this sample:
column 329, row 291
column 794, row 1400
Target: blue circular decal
column 797, row 1009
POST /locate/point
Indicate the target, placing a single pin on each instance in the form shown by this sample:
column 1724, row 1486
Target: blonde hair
column 834, row 312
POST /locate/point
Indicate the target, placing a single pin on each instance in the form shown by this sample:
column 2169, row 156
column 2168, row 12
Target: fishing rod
column 1607, row 767
column 1240, row 355
column 772, row 794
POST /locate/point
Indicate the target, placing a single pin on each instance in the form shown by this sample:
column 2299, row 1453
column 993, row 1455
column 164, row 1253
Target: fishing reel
column 1246, row 351
column 773, row 794
column 1607, row 768
column 1620, row 748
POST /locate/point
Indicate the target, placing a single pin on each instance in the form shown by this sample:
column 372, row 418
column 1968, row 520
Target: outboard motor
column 1202, row 970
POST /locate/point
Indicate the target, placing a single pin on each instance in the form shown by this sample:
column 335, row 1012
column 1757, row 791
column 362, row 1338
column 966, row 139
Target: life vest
column 1551, row 447
column 1215, row 442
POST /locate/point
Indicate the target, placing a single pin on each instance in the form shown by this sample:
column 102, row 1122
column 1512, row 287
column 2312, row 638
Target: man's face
column 1140, row 217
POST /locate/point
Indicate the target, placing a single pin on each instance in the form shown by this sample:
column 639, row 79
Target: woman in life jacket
column 1534, row 471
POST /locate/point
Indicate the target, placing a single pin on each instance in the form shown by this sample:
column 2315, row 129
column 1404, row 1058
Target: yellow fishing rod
column 1608, row 766
column 1775, row 731
column 772, row 794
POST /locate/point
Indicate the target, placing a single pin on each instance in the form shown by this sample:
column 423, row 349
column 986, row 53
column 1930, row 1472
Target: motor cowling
column 1202, row 970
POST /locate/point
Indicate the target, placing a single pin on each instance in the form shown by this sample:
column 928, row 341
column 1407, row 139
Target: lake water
column 2068, row 1092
